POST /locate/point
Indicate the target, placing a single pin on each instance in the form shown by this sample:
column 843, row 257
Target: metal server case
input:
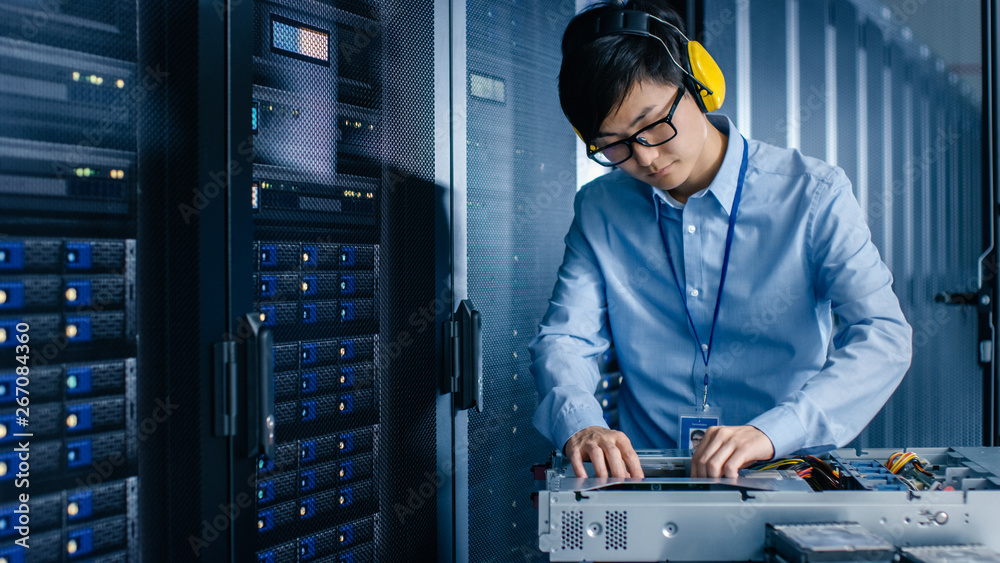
column 765, row 513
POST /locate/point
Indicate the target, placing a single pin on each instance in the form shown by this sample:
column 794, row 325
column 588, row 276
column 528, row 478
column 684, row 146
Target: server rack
column 68, row 189
column 316, row 163
column 335, row 243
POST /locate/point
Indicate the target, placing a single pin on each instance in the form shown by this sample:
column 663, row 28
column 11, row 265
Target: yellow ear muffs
column 706, row 71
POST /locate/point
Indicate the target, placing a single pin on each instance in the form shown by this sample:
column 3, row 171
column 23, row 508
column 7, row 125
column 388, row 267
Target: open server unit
column 922, row 505
column 68, row 433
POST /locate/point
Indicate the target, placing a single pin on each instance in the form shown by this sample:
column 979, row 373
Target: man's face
column 669, row 165
column 696, row 439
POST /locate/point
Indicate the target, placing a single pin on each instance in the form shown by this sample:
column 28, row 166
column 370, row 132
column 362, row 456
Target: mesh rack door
column 521, row 165
column 343, row 251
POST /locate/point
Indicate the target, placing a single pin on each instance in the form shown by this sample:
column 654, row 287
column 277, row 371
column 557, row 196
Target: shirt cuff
column 783, row 428
column 576, row 419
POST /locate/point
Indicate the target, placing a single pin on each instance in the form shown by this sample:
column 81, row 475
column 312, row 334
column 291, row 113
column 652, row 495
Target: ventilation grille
column 615, row 526
column 572, row 529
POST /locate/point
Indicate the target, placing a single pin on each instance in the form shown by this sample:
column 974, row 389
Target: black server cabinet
column 333, row 249
column 68, row 346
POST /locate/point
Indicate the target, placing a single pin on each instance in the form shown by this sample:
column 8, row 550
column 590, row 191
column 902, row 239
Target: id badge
column 694, row 422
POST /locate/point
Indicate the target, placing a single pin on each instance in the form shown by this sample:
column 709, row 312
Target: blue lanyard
column 706, row 352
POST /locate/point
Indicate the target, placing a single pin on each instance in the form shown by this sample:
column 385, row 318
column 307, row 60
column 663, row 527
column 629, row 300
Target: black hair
column 597, row 75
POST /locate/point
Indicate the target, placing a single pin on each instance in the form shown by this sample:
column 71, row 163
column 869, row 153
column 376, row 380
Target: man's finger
column 737, row 460
column 715, row 463
column 597, row 460
column 615, row 463
column 632, row 461
column 576, row 460
column 709, row 444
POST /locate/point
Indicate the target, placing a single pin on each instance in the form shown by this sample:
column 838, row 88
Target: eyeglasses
column 652, row 135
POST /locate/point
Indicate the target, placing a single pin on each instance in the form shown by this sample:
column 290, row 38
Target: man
column 696, row 436
column 714, row 262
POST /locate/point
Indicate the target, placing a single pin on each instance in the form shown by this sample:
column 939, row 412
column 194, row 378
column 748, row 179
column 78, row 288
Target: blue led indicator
column 308, row 481
column 78, row 453
column 347, row 311
column 268, row 286
column 308, row 411
column 309, row 353
column 78, row 255
column 11, row 255
column 347, row 285
column 268, row 255
column 307, row 548
column 78, row 380
column 348, row 256
column 309, row 313
column 308, row 451
column 309, row 384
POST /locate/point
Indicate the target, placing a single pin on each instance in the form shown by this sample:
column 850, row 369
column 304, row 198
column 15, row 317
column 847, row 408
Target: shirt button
column 691, row 229
column 694, row 293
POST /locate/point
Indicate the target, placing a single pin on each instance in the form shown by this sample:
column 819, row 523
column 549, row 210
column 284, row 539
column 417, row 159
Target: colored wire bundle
column 813, row 470
column 781, row 463
column 908, row 467
column 898, row 461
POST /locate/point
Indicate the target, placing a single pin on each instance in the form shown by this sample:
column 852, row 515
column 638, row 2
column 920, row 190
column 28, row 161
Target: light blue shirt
column 801, row 249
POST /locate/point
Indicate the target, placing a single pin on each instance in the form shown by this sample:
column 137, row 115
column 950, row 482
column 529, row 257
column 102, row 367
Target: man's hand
column 726, row 449
column 605, row 449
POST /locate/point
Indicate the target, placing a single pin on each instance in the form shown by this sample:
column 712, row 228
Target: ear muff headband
column 701, row 69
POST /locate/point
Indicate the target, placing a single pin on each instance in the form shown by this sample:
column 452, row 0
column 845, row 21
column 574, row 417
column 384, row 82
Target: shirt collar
column 723, row 186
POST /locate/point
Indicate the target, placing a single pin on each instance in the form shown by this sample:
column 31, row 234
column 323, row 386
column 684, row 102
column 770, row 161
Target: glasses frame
column 593, row 150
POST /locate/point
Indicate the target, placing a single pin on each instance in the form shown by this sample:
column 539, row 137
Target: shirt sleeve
column 872, row 350
column 570, row 337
